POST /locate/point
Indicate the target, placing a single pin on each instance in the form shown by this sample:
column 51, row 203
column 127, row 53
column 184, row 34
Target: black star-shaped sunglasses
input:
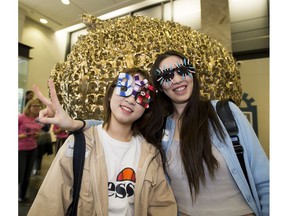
column 184, row 68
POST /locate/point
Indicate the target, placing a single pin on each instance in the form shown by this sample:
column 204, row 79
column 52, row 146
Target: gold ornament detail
column 134, row 41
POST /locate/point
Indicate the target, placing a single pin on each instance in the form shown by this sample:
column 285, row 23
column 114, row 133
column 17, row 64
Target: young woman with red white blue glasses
column 123, row 172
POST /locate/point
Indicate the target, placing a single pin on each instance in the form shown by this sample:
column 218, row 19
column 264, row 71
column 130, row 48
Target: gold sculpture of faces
column 134, row 41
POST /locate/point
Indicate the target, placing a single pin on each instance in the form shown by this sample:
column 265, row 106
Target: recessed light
column 44, row 21
column 66, row 2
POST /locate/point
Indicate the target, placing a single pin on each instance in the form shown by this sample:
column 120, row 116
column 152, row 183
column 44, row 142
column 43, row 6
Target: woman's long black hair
column 195, row 137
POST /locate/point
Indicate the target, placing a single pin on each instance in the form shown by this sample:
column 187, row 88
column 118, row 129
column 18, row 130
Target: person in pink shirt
column 61, row 136
column 28, row 131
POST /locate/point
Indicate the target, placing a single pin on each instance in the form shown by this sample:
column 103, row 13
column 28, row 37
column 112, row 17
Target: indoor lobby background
column 244, row 31
column 241, row 26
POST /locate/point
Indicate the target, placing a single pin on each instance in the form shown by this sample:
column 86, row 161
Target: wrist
column 22, row 136
column 78, row 125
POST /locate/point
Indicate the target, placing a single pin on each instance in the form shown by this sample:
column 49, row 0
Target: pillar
column 215, row 21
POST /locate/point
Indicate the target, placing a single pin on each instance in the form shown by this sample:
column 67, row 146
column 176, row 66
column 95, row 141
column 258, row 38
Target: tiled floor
column 34, row 185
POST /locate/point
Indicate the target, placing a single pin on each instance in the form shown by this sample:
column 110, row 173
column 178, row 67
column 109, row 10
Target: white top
column 122, row 161
column 218, row 197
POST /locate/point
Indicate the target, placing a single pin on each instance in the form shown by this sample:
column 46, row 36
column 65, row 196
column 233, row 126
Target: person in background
column 44, row 146
column 28, row 132
column 61, row 136
column 123, row 172
column 28, row 96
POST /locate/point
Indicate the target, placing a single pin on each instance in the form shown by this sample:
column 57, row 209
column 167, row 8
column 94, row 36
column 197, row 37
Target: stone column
column 215, row 21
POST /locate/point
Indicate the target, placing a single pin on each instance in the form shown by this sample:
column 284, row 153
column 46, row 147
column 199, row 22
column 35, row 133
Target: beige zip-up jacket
column 153, row 195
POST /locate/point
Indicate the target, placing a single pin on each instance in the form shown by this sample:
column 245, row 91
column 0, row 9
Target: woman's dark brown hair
column 149, row 124
column 195, row 142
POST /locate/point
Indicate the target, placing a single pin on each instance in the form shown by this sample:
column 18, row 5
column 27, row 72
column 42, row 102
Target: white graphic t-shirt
column 122, row 161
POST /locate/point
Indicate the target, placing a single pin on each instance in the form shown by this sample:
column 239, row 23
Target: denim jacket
column 256, row 161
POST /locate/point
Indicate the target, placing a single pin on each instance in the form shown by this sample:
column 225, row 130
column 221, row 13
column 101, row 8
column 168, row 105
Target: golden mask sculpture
column 135, row 41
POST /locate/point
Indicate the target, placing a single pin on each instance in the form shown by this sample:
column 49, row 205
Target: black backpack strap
column 226, row 116
column 78, row 164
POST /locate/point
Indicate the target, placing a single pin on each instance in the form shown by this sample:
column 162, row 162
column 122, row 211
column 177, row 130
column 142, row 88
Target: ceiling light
column 44, row 21
column 66, row 2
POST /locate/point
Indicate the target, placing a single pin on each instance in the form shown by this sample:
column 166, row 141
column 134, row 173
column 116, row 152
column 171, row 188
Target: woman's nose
column 131, row 100
column 177, row 78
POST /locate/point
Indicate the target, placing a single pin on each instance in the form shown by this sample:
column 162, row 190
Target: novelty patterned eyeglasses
column 184, row 68
column 140, row 90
